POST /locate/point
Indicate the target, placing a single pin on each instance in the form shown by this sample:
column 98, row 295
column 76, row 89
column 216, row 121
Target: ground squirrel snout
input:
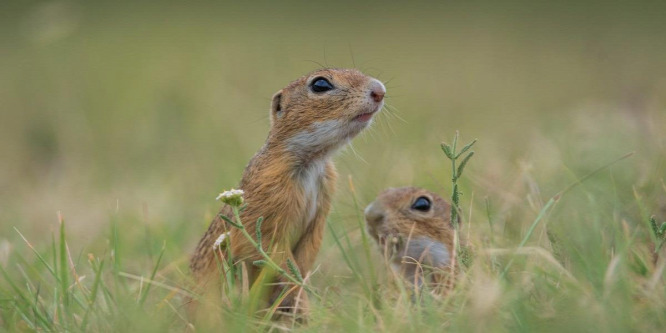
column 291, row 179
column 412, row 227
column 378, row 91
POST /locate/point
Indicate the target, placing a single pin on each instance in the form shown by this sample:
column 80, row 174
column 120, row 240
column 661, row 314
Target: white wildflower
column 220, row 240
column 232, row 197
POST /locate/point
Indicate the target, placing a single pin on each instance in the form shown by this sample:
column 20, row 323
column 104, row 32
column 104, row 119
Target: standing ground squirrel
column 291, row 180
column 413, row 228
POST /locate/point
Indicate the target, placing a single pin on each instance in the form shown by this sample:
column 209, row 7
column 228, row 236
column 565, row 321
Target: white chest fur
column 310, row 180
column 321, row 140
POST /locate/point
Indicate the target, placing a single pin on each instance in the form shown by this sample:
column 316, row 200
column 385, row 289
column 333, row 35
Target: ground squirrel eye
column 320, row 85
column 421, row 204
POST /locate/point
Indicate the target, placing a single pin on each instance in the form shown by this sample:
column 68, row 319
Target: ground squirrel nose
column 374, row 214
column 377, row 91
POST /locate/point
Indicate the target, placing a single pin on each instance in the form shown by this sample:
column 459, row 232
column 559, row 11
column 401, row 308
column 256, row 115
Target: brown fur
column 396, row 227
column 275, row 179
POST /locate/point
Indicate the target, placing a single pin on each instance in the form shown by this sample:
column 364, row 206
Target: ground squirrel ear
column 276, row 105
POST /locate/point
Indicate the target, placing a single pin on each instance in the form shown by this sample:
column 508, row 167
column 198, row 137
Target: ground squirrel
column 412, row 227
column 291, row 180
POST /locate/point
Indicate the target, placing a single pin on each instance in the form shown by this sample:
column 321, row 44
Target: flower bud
column 232, row 197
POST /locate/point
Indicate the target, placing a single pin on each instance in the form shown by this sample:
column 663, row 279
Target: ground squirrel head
column 413, row 227
column 324, row 109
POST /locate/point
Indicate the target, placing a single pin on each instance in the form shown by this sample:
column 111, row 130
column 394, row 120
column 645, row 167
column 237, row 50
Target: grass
column 128, row 119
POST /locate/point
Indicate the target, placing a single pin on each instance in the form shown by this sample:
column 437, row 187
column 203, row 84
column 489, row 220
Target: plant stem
column 454, row 194
column 259, row 247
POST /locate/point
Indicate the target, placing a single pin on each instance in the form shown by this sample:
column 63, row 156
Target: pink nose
column 377, row 91
column 377, row 96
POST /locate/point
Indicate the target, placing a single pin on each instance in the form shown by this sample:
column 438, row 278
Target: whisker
column 316, row 63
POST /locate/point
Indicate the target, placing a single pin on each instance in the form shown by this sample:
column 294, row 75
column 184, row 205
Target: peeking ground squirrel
column 412, row 227
column 291, row 180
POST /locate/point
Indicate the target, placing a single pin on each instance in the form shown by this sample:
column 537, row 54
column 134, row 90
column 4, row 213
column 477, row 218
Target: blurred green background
column 141, row 112
column 153, row 108
column 158, row 106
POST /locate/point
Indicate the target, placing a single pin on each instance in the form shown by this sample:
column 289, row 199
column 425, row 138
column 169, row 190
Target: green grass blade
column 93, row 295
column 54, row 253
column 25, row 299
column 116, row 246
column 364, row 235
column 64, row 271
column 350, row 263
column 152, row 276
column 530, row 231
column 39, row 256
column 554, row 199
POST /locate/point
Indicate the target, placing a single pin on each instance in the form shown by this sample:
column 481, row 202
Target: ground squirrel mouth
column 363, row 117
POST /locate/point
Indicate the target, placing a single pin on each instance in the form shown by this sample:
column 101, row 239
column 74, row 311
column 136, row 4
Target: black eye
column 421, row 204
column 320, row 85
